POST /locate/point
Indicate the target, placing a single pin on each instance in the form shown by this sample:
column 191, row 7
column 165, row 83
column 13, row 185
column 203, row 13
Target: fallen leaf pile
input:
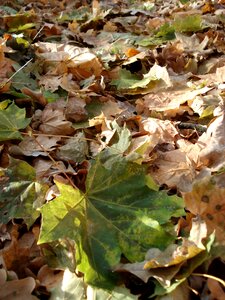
column 112, row 149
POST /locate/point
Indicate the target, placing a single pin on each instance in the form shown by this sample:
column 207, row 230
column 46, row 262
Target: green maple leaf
column 117, row 214
column 20, row 194
column 12, row 119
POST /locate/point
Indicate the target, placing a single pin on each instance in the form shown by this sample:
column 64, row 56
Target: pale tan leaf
column 213, row 153
column 18, row 289
column 207, row 200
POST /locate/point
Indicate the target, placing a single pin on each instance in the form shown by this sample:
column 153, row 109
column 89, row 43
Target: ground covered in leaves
column 112, row 150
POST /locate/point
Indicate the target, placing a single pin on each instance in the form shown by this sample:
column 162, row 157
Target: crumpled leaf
column 164, row 265
column 19, row 251
column 80, row 62
column 12, row 119
column 111, row 218
column 20, row 193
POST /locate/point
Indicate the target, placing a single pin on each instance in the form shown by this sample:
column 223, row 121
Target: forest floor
column 112, row 150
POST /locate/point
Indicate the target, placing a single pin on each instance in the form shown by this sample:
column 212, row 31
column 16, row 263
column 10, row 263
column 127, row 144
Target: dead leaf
column 18, row 289
column 175, row 169
column 54, row 120
column 215, row 289
column 35, row 146
column 207, row 200
column 49, row 277
column 75, row 109
column 213, row 152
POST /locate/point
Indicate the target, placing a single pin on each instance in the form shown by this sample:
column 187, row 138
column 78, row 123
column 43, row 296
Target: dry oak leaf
column 207, row 200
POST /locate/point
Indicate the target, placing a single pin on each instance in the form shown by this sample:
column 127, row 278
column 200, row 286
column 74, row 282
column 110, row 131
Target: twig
column 198, row 127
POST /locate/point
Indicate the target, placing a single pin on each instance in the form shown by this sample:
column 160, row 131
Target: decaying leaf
column 207, row 200
column 12, row 119
column 20, row 193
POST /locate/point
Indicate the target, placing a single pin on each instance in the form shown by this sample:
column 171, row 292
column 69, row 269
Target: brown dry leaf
column 161, row 131
column 111, row 109
column 213, row 144
column 47, row 168
column 20, row 252
column 175, row 169
column 35, row 146
column 50, row 82
column 163, row 275
column 75, row 109
column 172, row 99
column 80, row 61
column 207, row 200
column 6, row 68
column 215, row 289
column 192, row 44
column 53, row 82
column 174, row 57
column 54, row 120
column 18, row 289
column 49, row 277
column 37, row 96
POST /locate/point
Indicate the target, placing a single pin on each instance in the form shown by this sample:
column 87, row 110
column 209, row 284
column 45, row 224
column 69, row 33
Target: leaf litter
column 112, row 149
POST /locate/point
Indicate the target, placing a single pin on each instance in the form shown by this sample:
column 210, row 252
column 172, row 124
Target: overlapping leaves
column 117, row 214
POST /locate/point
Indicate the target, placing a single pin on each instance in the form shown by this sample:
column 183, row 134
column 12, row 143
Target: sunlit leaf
column 117, row 214
column 189, row 23
column 129, row 81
